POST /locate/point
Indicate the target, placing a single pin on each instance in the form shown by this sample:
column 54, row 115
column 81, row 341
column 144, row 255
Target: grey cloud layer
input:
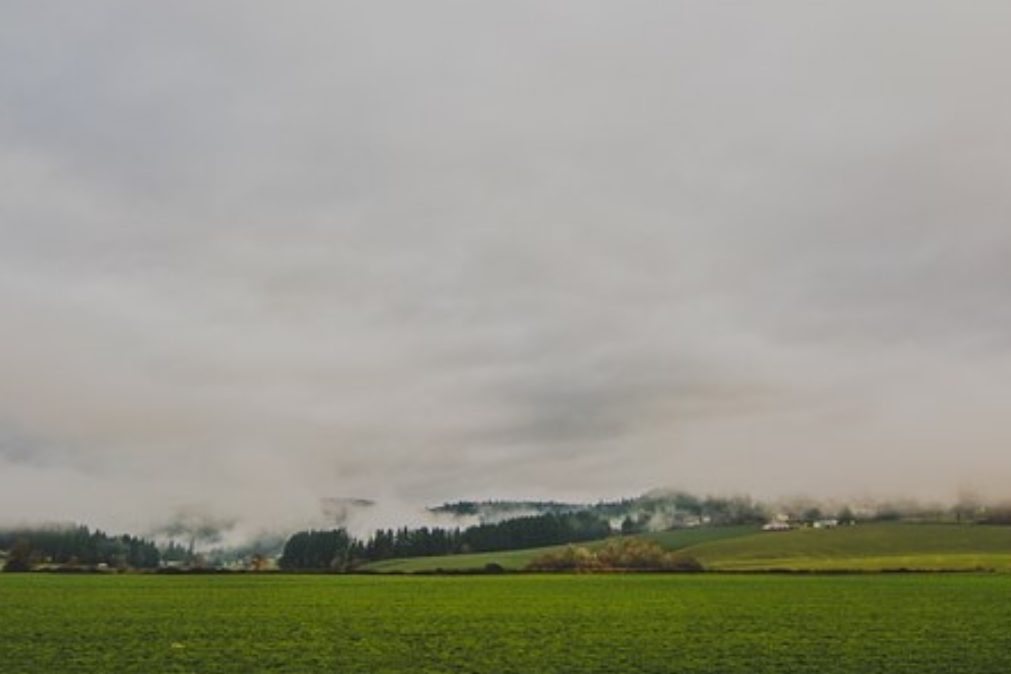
column 256, row 254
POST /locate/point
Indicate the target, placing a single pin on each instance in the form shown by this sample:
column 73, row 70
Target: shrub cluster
column 632, row 554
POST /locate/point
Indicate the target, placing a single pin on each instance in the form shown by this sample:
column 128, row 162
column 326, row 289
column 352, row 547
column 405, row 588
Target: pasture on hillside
column 515, row 560
column 864, row 547
column 922, row 624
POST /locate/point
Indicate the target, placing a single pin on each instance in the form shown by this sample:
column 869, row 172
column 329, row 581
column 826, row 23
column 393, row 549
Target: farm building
column 777, row 525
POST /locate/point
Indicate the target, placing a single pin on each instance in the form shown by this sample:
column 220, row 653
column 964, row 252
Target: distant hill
column 496, row 511
column 655, row 510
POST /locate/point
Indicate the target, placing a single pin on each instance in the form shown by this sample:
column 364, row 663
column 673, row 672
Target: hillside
column 518, row 559
column 868, row 547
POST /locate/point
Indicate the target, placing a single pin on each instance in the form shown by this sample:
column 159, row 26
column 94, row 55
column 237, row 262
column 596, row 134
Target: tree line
column 336, row 550
column 76, row 546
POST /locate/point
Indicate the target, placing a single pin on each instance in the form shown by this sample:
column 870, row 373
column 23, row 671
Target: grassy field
column 866, row 547
column 869, row 547
column 518, row 559
column 949, row 623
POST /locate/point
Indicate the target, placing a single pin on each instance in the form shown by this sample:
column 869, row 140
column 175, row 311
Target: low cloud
column 256, row 256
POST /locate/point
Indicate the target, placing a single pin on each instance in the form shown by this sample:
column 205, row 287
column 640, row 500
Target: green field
column 518, row 559
column 925, row 623
column 869, row 547
column 866, row 547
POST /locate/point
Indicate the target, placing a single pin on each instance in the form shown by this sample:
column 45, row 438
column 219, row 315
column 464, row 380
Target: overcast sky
column 258, row 253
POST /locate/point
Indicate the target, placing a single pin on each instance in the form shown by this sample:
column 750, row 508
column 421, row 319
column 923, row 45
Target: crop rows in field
column 502, row 624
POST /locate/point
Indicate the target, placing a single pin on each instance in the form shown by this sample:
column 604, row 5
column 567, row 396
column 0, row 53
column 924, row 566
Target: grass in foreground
column 505, row 624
